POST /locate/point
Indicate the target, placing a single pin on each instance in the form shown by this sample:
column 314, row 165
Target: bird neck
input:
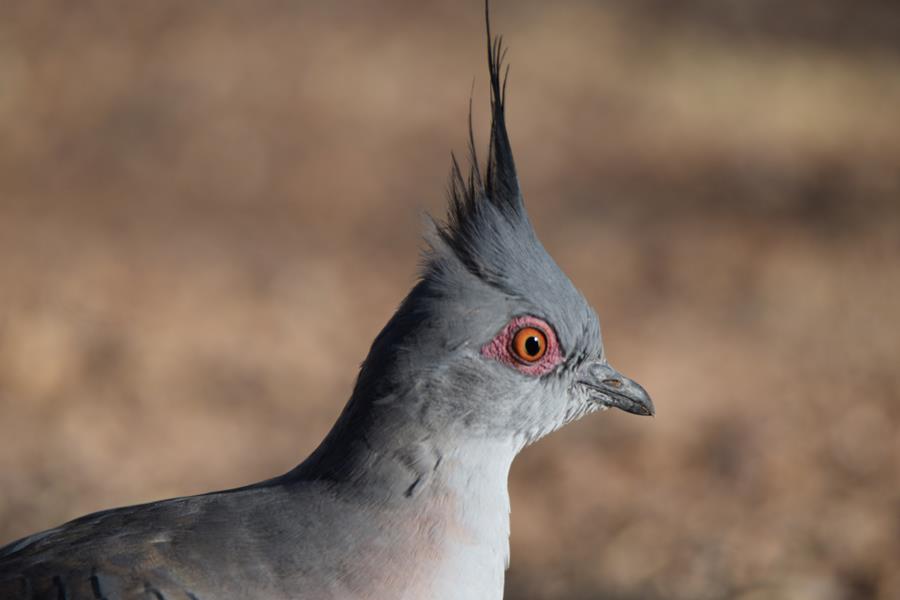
column 380, row 450
column 452, row 486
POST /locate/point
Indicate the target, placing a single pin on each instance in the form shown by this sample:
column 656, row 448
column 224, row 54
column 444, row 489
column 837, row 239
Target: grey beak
column 610, row 388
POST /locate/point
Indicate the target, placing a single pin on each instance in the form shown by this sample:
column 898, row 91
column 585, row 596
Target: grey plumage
column 406, row 497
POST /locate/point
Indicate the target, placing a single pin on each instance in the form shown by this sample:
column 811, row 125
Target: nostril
column 613, row 383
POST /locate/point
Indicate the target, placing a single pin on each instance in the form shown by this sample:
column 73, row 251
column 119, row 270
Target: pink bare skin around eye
column 500, row 348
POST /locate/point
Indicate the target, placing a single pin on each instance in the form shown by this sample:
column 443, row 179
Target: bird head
column 494, row 340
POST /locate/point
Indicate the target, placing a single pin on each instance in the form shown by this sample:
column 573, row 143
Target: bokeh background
column 208, row 210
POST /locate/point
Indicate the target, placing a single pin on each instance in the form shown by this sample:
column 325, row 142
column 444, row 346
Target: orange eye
column 529, row 344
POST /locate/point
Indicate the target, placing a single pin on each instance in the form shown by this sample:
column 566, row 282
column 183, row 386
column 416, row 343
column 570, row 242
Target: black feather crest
column 476, row 198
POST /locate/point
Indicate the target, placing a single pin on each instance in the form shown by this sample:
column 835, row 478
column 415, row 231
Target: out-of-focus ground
column 208, row 210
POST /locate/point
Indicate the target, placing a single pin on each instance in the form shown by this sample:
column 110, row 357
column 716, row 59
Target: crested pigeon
column 406, row 497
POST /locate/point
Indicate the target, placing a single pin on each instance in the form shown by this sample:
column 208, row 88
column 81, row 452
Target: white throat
column 470, row 489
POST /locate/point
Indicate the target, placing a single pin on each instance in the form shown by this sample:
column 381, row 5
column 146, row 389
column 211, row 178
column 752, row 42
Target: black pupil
column 533, row 346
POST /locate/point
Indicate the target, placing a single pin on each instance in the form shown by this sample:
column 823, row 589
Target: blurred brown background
column 208, row 210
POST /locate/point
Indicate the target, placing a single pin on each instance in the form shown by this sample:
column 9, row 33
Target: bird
column 406, row 497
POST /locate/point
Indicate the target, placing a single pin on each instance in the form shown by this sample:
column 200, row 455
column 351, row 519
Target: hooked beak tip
column 610, row 388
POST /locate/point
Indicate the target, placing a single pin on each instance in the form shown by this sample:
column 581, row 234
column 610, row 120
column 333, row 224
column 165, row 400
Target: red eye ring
column 529, row 345
column 540, row 359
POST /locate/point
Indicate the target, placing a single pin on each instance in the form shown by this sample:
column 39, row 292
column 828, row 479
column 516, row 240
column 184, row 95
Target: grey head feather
column 483, row 267
column 425, row 377
column 428, row 381
column 488, row 231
